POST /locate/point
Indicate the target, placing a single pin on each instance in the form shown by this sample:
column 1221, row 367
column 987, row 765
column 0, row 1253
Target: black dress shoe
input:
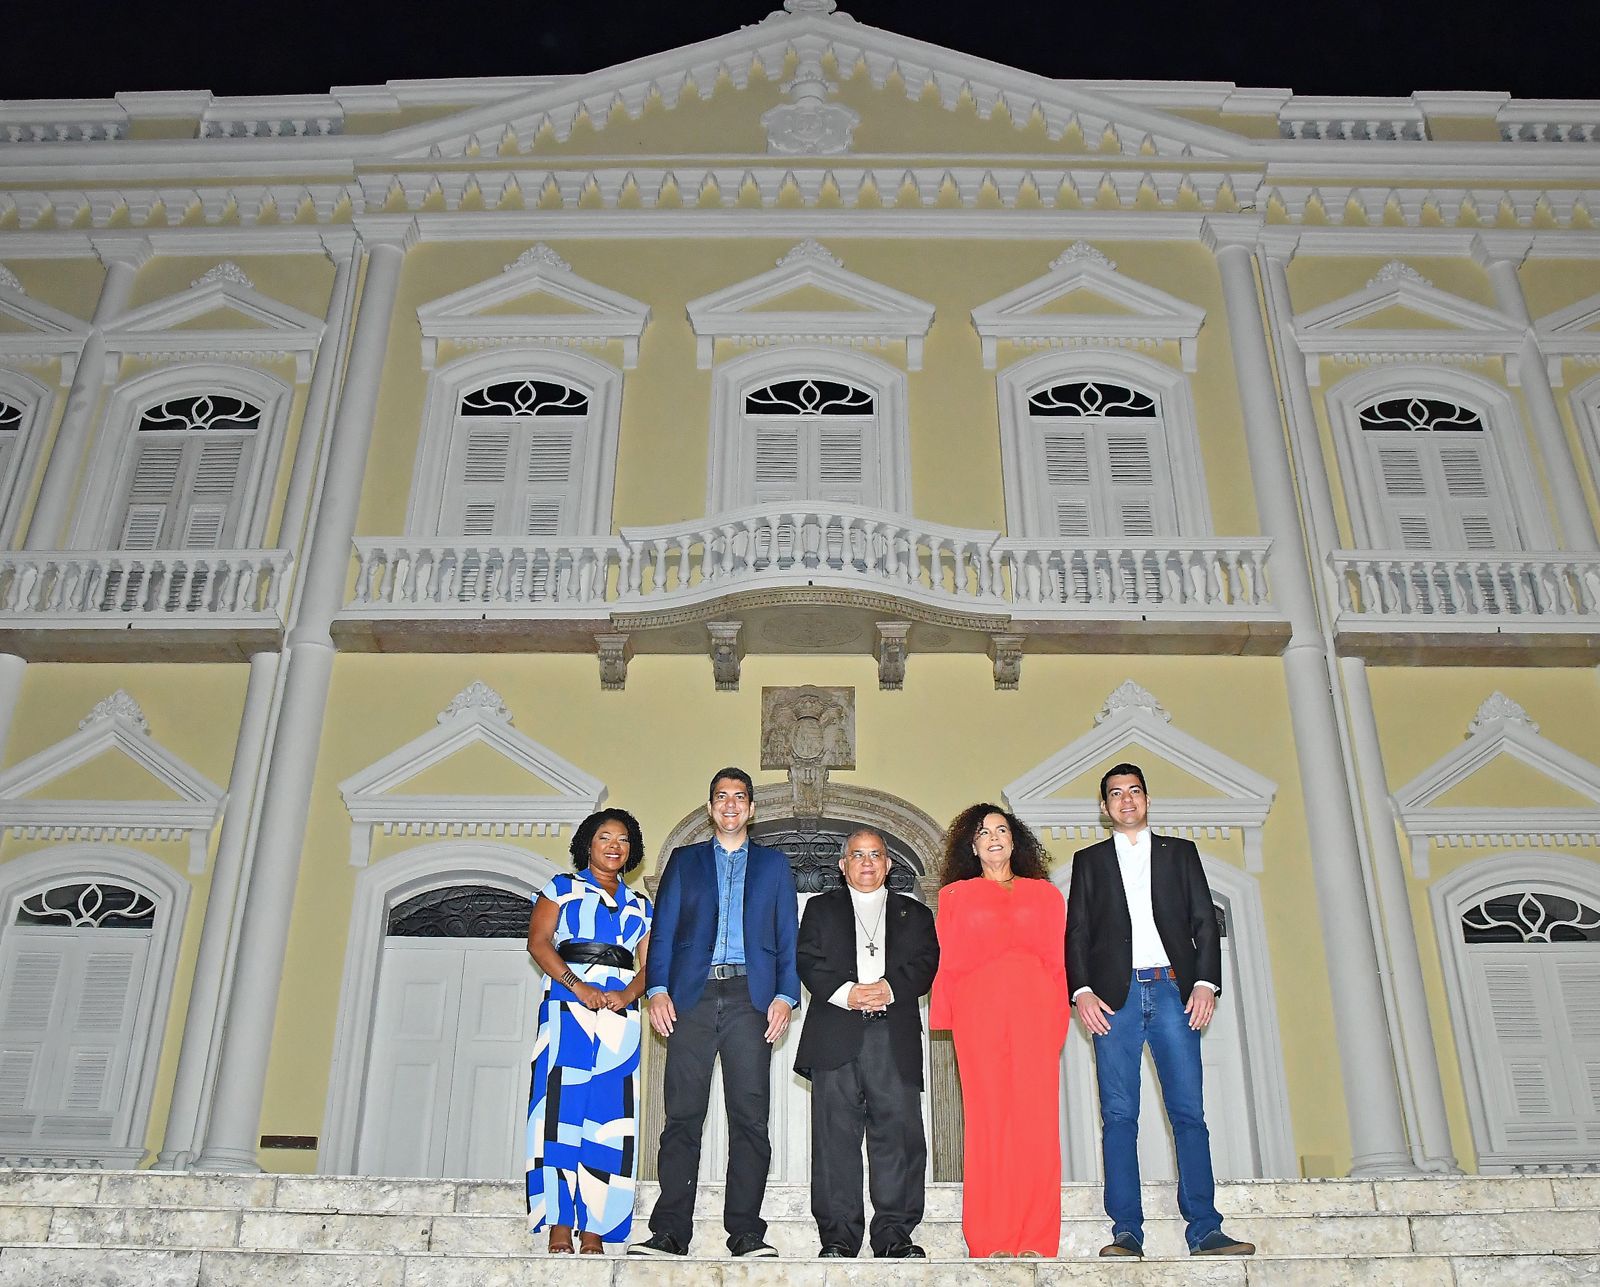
column 750, row 1244
column 1124, row 1244
column 658, row 1244
column 903, row 1251
column 833, row 1251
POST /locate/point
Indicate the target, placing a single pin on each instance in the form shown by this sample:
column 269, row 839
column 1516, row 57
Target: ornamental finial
column 1395, row 271
column 810, row 248
column 8, row 279
column 1498, row 709
column 539, row 256
column 1078, row 252
column 1128, row 696
column 120, row 705
column 476, row 696
column 819, row 8
column 226, row 271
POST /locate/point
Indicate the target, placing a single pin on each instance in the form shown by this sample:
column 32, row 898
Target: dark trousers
column 868, row 1096
column 724, row 1023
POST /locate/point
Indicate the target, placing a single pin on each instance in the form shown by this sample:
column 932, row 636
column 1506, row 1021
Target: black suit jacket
column 826, row 953
column 1100, row 933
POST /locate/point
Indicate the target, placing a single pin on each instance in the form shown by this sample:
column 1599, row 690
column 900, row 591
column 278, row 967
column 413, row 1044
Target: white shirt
column 1133, row 862
column 871, row 918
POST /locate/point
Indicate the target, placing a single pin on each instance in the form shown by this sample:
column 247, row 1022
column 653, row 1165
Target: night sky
column 1358, row 47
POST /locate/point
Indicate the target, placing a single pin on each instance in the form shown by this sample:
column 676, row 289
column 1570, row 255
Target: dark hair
column 738, row 775
column 1029, row 858
column 1123, row 771
column 583, row 837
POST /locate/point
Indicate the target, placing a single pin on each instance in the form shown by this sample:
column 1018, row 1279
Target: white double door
column 450, row 1061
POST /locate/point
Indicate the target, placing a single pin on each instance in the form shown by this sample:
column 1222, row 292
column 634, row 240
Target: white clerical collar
column 1131, row 844
column 869, row 902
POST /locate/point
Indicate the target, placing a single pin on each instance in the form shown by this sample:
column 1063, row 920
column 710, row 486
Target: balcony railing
column 793, row 546
column 214, row 593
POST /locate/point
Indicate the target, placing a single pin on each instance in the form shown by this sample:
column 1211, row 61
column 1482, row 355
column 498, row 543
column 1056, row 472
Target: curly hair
column 1029, row 858
column 583, row 837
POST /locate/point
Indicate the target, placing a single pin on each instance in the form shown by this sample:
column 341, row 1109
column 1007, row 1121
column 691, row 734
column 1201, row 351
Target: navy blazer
column 684, row 931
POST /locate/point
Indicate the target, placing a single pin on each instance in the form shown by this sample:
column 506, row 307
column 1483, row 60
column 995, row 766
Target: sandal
column 560, row 1244
column 589, row 1244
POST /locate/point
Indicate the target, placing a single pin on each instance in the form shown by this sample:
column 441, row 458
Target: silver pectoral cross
column 872, row 949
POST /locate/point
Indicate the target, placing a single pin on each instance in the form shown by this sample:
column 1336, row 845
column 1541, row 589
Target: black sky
column 1310, row 46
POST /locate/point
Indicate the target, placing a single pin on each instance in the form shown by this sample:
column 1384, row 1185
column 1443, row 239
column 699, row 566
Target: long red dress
column 1002, row 991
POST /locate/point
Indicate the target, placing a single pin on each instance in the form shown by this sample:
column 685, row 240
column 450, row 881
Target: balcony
column 822, row 579
column 164, row 605
column 1536, row 608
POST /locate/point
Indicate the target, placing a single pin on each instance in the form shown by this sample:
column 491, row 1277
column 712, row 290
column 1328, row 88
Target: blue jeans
column 1153, row 1012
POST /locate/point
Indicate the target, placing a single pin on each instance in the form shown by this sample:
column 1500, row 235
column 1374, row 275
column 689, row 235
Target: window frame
column 36, row 402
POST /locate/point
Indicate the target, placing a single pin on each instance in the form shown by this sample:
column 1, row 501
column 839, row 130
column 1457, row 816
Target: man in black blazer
column 1144, row 961
column 867, row 955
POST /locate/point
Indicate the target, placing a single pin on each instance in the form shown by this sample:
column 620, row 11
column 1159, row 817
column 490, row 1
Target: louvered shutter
column 841, row 464
column 1131, row 484
column 1578, row 991
column 214, row 493
column 547, row 479
column 777, row 463
column 1466, row 477
column 153, row 493
column 1069, row 482
column 482, row 475
column 31, row 984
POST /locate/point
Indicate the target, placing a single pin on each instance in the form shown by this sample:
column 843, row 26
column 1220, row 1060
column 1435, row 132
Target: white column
column 1501, row 257
column 123, row 257
column 202, row 1031
column 1411, row 1024
column 275, row 863
column 1366, row 1058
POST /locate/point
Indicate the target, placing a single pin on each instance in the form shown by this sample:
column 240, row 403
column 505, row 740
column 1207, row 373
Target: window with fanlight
column 811, row 439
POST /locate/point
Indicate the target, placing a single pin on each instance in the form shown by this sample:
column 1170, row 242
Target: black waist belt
column 596, row 954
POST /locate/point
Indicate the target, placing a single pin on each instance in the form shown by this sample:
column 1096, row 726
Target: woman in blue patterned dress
column 589, row 934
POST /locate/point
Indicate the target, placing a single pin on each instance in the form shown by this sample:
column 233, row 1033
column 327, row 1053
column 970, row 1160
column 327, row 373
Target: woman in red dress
column 1002, row 991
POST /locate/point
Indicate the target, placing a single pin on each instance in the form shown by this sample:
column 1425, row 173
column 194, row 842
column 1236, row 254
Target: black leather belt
column 595, row 954
column 874, row 1016
column 726, row 972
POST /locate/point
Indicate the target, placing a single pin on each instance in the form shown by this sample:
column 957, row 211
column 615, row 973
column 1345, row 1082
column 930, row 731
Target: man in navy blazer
column 721, row 981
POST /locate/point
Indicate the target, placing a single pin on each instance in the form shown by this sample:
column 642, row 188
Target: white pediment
column 1145, row 316
column 186, row 803
column 37, row 331
column 477, row 717
column 810, row 35
column 1573, row 331
column 1132, row 717
column 870, row 313
column 1463, row 329
column 221, row 316
column 482, row 316
column 1500, row 729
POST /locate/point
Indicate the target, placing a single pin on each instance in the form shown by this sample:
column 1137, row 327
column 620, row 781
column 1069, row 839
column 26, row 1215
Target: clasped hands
column 870, row 996
column 593, row 998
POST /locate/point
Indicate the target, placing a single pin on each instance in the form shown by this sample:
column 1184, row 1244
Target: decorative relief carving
column 818, row 8
column 539, row 256
column 1078, row 252
column 226, row 271
column 1129, row 696
column 810, row 248
column 808, row 731
column 809, row 125
column 614, row 654
column 476, row 696
column 1499, row 709
column 892, row 651
column 725, row 654
column 9, row 280
column 1395, row 271
column 120, row 705
column 1006, row 653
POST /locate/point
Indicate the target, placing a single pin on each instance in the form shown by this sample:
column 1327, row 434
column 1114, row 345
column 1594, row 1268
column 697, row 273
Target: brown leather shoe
column 1124, row 1244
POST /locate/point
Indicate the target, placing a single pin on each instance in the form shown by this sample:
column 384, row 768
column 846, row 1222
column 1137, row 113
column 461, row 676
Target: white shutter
column 1069, row 482
column 152, row 492
column 777, row 463
column 547, row 480
column 1442, row 491
column 31, row 983
column 841, row 464
column 482, row 471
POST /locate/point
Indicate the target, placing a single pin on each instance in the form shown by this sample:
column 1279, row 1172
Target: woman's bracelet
column 569, row 978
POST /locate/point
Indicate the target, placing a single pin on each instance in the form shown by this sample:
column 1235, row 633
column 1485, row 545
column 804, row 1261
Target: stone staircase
column 111, row 1229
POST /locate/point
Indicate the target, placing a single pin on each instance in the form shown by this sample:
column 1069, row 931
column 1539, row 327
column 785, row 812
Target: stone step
column 1443, row 1195
column 1568, row 1232
column 49, row 1266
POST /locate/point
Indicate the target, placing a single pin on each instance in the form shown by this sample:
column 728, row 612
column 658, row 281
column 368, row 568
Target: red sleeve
column 955, row 959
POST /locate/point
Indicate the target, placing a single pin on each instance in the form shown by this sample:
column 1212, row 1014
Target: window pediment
column 1573, row 331
column 476, row 718
column 183, row 801
column 221, row 316
column 1131, row 716
column 488, row 315
column 41, row 333
column 1140, row 316
column 1500, row 730
column 1372, row 323
column 752, row 312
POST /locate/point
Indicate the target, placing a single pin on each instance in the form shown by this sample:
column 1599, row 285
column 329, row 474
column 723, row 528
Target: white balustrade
column 792, row 545
column 183, row 588
column 1374, row 585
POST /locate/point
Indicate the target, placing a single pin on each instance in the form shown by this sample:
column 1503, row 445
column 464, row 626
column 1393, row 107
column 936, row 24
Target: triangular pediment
column 1061, row 794
column 811, row 46
column 415, row 789
column 511, row 308
column 1401, row 312
column 111, row 779
column 30, row 329
column 860, row 310
column 220, row 312
column 1481, row 792
column 1056, row 309
column 1573, row 331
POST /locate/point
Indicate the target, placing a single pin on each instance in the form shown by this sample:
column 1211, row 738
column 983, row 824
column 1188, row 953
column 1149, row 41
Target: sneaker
column 1219, row 1244
column 1125, row 1244
column 750, row 1244
column 658, row 1244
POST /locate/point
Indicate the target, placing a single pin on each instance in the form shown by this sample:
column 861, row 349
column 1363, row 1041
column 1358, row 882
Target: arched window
column 186, row 479
column 1440, row 482
column 515, row 458
column 811, row 439
column 1100, row 460
column 24, row 404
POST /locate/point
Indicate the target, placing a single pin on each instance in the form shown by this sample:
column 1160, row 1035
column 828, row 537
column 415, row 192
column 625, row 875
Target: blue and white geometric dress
column 583, row 1115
